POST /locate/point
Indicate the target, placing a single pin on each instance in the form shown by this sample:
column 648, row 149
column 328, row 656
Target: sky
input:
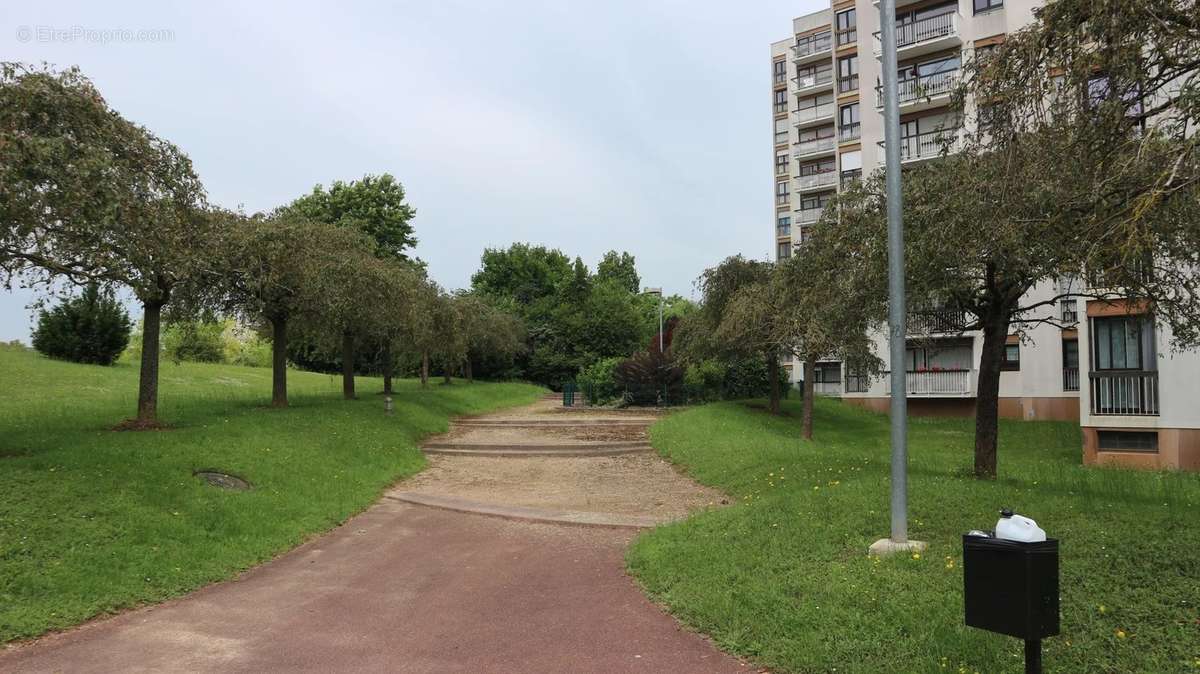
column 641, row 126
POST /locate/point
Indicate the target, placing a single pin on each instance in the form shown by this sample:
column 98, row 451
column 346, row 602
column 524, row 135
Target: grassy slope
column 784, row 577
column 93, row 520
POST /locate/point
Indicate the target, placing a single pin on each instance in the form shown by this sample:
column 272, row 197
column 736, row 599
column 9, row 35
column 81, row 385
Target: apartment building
column 1110, row 367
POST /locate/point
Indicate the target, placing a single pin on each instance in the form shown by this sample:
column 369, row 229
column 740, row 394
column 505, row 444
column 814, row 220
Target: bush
column 195, row 341
column 92, row 328
column 243, row 346
column 650, row 378
column 704, row 381
column 599, row 380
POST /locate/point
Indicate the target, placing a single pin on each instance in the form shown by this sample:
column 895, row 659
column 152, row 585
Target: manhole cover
column 222, row 480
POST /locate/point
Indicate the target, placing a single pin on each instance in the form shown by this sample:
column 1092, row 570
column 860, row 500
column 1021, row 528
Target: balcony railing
column 813, row 79
column 815, row 145
column 932, row 321
column 813, row 45
column 849, row 132
column 1068, row 313
column 926, row 86
column 815, row 180
column 927, row 145
column 850, row 175
column 857, row 383
column 923, row 30
column 808, row 216
column 827, row 388
column 1124, row 393
column 813, row 112
column 1070, row 379
column 847, row 35
column 939, row 382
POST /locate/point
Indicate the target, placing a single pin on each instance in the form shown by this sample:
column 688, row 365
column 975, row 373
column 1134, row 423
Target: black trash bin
column 1011, row 588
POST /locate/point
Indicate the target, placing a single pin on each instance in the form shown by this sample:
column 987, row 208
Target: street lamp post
column 896, row 310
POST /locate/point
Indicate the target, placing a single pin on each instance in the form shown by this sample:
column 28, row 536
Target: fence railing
column 938, row 382
column 809, row 113
column 857, row 383
column 815, row 145
column 1070, row 379
column 827, row 388
column 849, row 132
column 1124, row 393
column 929, row 28
column 813, row 45
column 815, row 180
column 929, row 321
column 927, row 145
column 925, row 86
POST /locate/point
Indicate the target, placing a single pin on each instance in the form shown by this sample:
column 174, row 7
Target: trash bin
column 1011, row 587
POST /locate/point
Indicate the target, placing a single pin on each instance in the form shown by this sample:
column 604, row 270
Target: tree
column 374, row 205
column 91, row 328
column 1078, row 154
column 491, row 334
column 521, row 273
column 273, row 264
column 92, row 197
column 621, row 269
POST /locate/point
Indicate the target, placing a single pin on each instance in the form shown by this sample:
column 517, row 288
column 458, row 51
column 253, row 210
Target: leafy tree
column 491, row 334
column 522, row 273
column 93, row 197
column 620, row 269
column 195, row 340
column 374, row 205
column 91, row 328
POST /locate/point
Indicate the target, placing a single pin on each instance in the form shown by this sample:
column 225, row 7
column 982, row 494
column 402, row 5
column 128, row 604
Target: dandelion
column 1120, row 634
column 916, row 555
column 1102, row 609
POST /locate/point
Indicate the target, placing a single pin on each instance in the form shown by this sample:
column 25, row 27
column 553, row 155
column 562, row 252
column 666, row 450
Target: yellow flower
column 916, row 555
column 1120, row 634
column 1102, row 609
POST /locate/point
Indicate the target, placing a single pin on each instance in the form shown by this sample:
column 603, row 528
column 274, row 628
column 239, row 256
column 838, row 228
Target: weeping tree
column 88, row 196
column 271, row 266
column 422, row 334
column 739, row 287
column 490, row 334
column 1077, row 159
column 402, row 285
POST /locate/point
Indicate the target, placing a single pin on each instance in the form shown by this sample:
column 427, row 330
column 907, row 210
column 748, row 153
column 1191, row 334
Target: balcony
column 811, row 49
column 937, row 321
column 813, row 82
column 924, row 36
column 849, row 132
column 849, row 176
column 813, row 114
column 816, row 181
column 1070, row 379
column 939, row 383
column 808, row 216
column 827, row 388
column 922, row 93
column 1124, row 393
column 928, row 145
column 816, row 146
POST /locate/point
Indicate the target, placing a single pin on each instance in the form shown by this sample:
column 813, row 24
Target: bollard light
column 388, row 408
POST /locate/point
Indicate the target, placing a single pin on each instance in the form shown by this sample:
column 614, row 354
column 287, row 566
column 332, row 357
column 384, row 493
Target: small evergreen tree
column 92, row 328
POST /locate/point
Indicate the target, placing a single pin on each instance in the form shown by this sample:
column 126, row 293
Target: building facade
column 1110, row 367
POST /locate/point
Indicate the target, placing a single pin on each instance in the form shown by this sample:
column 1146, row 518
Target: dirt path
column 412, row 588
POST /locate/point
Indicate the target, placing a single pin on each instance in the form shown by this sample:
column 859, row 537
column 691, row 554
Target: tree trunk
column 467, row 374
column 147, row 409
column 987, row 398
column 446, row 369
column 773, row 375
column 806, row 419
column 424, row 368
column 387, row 369
column 348, row 366
column 279, row 362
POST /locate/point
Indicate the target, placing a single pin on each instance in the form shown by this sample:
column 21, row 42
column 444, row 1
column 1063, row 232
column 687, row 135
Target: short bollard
column 1011, row 587
column 569, row 394
column 388, row 407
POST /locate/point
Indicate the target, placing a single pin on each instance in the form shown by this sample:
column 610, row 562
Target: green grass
column 93, row 520
column 783, row 577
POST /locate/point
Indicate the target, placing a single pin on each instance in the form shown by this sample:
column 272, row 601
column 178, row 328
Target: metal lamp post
column 896, row 309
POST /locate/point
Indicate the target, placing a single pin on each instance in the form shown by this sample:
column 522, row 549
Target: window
column 813, row 75
column 813, row 168
column 849, row 126
column 781, row 101
column 784, row 250
column 781, row 162
column 1012, row 357
column 781, row 193
column 1070, row 355
column 812, row 44
column 783, row 226
column 847, row 73
column 1127, row 441
column 847, row 27
column 851, row 166
column 982, row 6
column 781, row 131
column 1123, row 343
column 779, row 72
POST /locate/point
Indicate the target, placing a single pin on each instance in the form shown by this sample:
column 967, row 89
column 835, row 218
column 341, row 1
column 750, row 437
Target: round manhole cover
column 223, row 480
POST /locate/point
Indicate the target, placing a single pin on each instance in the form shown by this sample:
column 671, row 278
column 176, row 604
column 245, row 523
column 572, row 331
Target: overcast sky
column 635, row 125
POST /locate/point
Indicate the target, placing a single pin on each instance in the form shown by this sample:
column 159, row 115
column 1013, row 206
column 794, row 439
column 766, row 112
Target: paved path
column 413, row 588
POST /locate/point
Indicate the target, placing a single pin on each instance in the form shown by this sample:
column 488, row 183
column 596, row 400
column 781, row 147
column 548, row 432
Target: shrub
column 599, row 380
column 704, row 381
column 650, row 378
column 195, row 341
column 92, row 328
column 243, row 346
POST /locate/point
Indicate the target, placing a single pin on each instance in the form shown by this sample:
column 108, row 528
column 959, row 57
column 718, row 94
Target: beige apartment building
column 1111, row 368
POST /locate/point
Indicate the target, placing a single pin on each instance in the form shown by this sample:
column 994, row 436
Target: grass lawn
column 783, row 576
column 93, row 520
